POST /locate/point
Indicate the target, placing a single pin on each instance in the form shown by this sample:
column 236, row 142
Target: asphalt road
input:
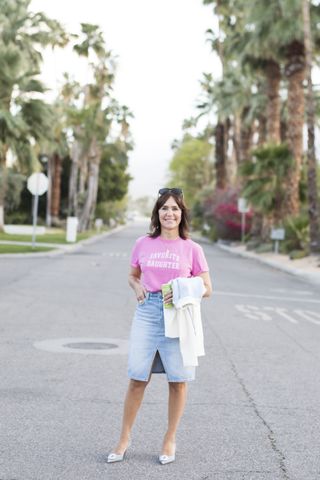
column 252, row 413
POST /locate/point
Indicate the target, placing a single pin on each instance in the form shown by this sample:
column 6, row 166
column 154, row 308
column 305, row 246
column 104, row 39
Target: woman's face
column 170, row 215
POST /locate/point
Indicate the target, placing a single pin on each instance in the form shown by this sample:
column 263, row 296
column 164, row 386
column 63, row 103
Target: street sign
column 242, row 205
column 277, row 234
column 243, row 209
column 37, row 183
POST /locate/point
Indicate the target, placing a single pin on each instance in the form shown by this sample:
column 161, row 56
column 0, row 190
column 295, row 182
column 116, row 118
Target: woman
column 166, row 253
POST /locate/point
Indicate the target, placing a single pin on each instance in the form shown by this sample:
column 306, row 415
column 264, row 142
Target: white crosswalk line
column 253, row 312
column 307, row 315
column 282, row 313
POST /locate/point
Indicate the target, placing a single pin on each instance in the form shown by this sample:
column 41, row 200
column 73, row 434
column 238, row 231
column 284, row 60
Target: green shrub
column 297, row 233
column 253, row 244
column 109, row 211
column 265, row 248
column 296, row 254
column 18, row 218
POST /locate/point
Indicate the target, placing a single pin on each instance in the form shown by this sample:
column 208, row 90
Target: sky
column 162, row 51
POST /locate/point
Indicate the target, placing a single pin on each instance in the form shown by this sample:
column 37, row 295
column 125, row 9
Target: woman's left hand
column 167, row 298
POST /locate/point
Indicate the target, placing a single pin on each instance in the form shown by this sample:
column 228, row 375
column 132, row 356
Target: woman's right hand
column 134, row 282
column 141, row 293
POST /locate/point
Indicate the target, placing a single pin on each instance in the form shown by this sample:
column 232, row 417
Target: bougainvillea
column 221, row 213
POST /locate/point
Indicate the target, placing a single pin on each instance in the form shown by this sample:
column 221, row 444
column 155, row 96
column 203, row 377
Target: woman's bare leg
column 132, row 404
column 176, row 404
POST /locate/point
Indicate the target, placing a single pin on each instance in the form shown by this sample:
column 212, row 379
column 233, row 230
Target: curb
column 311, row 277
column 62, row 249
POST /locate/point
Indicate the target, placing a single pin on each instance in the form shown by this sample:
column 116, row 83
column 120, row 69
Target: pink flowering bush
column 220, row 212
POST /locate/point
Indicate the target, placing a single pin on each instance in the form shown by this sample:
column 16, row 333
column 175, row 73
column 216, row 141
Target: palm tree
column 273, row 36
column 92, row 124
column 312, row 164
column 208, row 106
column 278, row 29
column 24, row 119
column 265, row 181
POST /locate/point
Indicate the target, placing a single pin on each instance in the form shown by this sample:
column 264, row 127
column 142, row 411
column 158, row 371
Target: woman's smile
column 170, row 214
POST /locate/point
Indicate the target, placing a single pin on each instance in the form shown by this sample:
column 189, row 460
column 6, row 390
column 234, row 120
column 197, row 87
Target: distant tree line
column 81, row 140
column 256, row 114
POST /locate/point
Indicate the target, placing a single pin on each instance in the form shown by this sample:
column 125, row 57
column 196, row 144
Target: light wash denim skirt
column 149, row 350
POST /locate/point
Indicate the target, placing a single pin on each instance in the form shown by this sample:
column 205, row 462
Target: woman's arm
column 207, row 283
column 135, row 283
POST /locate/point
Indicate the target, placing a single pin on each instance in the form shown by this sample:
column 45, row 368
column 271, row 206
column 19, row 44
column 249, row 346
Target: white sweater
column 184, row 319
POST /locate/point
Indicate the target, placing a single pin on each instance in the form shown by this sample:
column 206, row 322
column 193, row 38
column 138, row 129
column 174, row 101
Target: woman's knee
column 177, row 386
column 137, row 385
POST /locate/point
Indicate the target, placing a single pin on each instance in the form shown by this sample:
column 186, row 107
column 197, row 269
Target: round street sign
column 37, row 183
column 242, row 205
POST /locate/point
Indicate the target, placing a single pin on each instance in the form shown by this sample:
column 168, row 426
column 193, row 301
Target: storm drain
column 95, row 346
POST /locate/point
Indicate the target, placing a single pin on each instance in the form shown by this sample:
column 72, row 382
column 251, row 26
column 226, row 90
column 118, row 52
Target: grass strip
column 22, row 249
column 47, row 237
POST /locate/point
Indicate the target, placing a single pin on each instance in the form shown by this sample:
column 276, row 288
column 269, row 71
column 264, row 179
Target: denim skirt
column 149, row 350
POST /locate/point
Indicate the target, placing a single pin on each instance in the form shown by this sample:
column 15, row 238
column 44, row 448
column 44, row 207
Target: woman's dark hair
column 155, row 226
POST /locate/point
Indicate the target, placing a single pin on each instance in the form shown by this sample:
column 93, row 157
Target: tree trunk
column 273, row 75
column 295, row 71
column 88, row 210
column 220, row 141
column 73, row 179
column 83, row 174
column 245, row 137
column 267, row 222
column 237, row 136
column 1, row 218
column 56, row 189
column 232, row 159
column 2, row 196
column 312, row 164
column 256, row 226
column 3, row 183
column 284, row 131
column 262, row 130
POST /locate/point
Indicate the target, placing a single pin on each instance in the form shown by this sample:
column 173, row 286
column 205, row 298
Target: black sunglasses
column 175, row 191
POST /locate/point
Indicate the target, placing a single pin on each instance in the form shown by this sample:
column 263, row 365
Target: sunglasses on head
column 175, row 191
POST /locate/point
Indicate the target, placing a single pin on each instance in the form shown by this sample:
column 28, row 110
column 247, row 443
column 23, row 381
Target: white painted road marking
column 254, row 312
column 287, row 290
column 308, row 315
column 282, row 313
column 266, row 297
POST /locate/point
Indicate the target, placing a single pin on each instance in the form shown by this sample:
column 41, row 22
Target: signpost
column 243, row 209
column 37, row 184
column 277, row 234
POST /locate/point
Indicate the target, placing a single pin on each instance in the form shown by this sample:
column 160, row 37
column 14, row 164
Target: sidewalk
column 58, row 248
column 307, row 268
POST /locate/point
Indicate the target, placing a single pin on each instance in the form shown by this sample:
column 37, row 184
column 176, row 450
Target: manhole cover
column 91, row 345
column 95, row 346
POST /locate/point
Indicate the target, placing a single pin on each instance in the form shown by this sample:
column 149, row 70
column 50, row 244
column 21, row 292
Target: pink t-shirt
column 162, row 260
